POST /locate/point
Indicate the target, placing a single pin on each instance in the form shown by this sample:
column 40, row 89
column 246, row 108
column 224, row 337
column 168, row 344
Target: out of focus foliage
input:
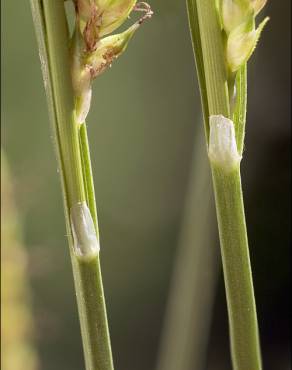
column 17, row 352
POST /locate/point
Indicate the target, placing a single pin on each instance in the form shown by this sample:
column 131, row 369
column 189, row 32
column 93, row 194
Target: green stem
column 92, row 312
column 58, row 55
column 77, row 183
column 227, row 186
column 213, row 58
column 244, row 336
column 239, row 116
column 87, row 171
column 197, row 49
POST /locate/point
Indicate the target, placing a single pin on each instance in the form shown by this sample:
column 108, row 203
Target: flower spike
column 99, row 18
column 258, row 5
column 92, row 55
column 241, row 44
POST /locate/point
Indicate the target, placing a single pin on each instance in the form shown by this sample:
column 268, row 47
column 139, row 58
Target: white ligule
column 222, row 143
column 85, row 240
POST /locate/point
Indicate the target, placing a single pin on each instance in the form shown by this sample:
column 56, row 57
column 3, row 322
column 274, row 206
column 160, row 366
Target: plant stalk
column 245, row 348
column 87, row 173
column 209, row 55
column 77, row 183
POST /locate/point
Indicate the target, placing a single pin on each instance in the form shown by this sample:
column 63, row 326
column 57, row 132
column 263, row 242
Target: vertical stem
column 57, row 43
column 92, row 313
column 239, row 116
column 245, row 347
column 213, row 58
column 227, row 186
column 91, row 296
column 197, row 49
column 77, row 183
column 87, row 171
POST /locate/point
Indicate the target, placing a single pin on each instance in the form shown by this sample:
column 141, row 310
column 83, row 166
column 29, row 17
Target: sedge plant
column 224, row 36
column 69, row 63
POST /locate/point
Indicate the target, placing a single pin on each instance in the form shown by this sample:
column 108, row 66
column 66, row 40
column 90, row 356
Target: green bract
column 94, row 64
column 234, row 13
column 101, row 17
column 115, row 15
column 241, row 43
column 108, row 49
column 238, row 23
column 91, row 53
column 258, row 5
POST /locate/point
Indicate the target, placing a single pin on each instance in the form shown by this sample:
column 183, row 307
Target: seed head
column 107, row 50
column 234, row 13
column 241, row 43
column 92, row 55
column 258, row 5
column 101, row 17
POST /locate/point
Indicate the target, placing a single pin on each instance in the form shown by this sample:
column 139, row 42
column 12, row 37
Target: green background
column 142, row 127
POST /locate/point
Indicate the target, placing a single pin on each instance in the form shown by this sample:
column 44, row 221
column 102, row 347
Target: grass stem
column 245, row 348
column 211, row 69
column 77, row 182
column 88, row 175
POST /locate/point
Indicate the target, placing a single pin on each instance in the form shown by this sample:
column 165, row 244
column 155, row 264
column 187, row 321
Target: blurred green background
column 143, row 124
